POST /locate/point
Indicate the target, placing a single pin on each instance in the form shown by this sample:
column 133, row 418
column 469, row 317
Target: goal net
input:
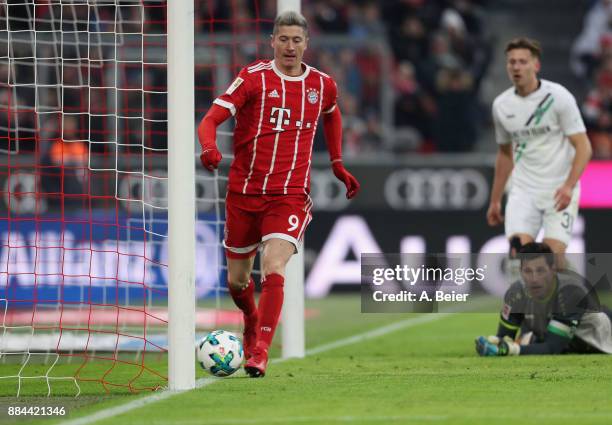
column 83, row 152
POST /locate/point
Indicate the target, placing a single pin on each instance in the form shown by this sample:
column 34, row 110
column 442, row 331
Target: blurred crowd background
column 415, row 76
column 409, row 71
column 591, row 62
column 439, row 53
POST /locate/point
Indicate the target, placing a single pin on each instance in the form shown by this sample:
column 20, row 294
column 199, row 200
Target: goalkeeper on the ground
column 548, row 311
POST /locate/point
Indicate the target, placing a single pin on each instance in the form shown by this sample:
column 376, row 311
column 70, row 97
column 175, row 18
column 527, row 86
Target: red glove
column 351, row 183
column 210, row 158
column 207, row 132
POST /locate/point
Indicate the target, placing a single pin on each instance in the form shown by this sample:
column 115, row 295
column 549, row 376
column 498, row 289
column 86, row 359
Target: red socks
column 270, row 305
column 244, row 298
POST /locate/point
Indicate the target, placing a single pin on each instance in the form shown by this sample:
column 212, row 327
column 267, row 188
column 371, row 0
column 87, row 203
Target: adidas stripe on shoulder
column 260, row 66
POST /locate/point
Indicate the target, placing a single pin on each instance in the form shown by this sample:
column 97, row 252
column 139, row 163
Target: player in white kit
column 542, row 142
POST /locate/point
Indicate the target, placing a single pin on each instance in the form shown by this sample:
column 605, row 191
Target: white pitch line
column 383, row 330
column 203, row 382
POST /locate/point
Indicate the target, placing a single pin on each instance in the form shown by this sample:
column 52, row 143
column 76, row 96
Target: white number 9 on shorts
column 294, row 222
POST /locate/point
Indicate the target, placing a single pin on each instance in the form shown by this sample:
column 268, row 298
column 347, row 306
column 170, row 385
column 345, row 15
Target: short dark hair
column 532, row 250
column 290, row 18
column 525, row 43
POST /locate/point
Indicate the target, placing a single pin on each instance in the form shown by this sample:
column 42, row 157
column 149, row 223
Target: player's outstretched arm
column 503, row 168
column 553, row 344
column 332, row 127
column 207, row 135
column 581, row 143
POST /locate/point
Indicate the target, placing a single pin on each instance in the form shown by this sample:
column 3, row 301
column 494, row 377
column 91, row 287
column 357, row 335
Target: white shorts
column 528, row 212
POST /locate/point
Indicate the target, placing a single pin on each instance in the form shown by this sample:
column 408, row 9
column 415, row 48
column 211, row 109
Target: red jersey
column 276, row 120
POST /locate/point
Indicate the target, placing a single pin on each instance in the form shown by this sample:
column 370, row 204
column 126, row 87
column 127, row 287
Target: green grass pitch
column 427, row 373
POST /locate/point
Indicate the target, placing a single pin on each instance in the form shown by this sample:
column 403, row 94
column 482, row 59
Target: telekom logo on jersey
column 280, row 117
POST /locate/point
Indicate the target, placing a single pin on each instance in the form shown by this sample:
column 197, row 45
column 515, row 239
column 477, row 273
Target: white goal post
column 293, row 307
column 181, row 195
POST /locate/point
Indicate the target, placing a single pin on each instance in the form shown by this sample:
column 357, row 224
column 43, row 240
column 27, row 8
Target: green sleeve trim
column 508, row 325
column 557, row 331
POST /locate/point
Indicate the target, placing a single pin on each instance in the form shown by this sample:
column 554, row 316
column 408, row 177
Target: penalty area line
column 203, row 382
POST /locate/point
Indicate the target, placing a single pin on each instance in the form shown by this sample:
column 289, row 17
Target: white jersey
column 537, row 125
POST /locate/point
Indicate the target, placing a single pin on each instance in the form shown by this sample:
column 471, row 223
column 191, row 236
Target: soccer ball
column 220, row 353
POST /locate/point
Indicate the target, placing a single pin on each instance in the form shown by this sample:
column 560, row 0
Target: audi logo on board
column 436, row 189
column 419, row 189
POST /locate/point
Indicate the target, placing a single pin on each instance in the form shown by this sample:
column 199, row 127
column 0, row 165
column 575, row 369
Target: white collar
column 288, row 77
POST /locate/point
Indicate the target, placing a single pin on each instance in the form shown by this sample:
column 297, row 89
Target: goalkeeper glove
column 351, row 183
column 210, row 158
column 487, row 346
column 493, row 346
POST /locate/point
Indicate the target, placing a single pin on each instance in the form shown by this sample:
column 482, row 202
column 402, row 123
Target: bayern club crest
column 313, row 96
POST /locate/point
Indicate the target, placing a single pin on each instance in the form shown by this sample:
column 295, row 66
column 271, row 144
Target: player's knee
column 274, row 265
column 276, row 255
column 238, row 280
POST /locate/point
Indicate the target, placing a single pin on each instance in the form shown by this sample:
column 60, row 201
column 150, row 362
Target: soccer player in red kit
column 276, row 105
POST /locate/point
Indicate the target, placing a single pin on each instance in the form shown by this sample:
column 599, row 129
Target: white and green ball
column 220, row 353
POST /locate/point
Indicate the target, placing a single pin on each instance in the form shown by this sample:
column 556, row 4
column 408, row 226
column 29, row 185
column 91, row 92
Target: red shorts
column 253, row 219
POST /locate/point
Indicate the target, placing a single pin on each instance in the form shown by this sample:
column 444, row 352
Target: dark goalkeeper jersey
column 572, row 311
